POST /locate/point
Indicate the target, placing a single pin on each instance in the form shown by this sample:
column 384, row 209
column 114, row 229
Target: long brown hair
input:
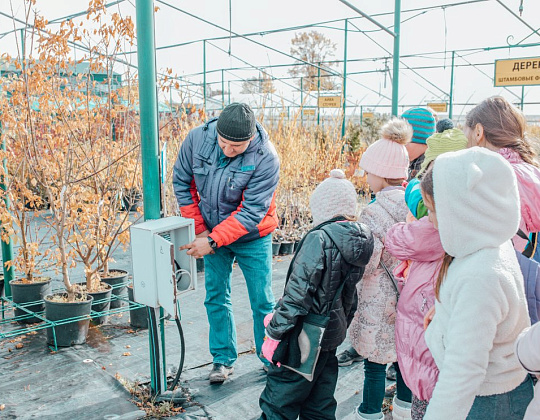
column 504, row 126
column 426, row 186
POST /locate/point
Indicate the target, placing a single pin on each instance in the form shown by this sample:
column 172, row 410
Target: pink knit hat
column 388, row 157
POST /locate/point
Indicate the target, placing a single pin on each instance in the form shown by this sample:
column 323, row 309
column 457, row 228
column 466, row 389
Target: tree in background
column 315, row 48
column 259, row 85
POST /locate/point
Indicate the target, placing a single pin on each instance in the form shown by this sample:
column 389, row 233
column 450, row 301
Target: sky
column 428, row 38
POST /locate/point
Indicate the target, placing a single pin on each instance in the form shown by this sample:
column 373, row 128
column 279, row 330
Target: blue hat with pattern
column 423, row 123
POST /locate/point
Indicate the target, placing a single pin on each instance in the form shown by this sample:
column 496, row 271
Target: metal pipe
column 318, row 94
column 149, row 151
column 357, row 10
column 344, row 79
column 395, row 78
column 7, row 247
column 222, row 91
column 451, row 96
column 204, row 75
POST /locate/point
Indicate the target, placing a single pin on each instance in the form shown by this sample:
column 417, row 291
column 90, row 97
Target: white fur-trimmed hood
column 476, row 200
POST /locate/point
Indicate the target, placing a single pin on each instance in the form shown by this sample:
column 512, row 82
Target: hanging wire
column 521, row 8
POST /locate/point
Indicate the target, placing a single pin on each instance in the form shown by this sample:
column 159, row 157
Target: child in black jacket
column 330, row 258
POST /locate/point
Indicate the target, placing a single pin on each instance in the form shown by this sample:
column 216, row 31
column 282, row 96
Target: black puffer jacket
column 336, row 253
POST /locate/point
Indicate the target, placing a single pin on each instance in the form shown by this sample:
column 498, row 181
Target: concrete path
column 89, row 381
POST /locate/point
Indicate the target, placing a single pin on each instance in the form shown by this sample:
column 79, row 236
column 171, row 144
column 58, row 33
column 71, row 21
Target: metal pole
column 222, row 91
column 23, row 45
column 361, row 114
column 344, row 79
column 204, row 74
column 229, row 93
column 395, row 78
column 318, row 93
column 451, row 104
column 149, row 150
column 302, row 101
column 7, row 248
column 522, row 96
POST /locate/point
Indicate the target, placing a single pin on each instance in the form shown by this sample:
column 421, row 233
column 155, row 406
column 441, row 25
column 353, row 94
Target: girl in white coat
column 473, row 200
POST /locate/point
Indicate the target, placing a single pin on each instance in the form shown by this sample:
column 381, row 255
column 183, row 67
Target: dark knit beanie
column 236, row 122
column 444, row 124
column 423, row 123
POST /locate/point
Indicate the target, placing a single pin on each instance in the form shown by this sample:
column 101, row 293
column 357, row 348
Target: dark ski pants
column 289, row 395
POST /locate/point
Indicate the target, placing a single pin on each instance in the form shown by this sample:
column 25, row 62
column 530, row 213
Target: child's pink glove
column 267, row 319
column 268, row 349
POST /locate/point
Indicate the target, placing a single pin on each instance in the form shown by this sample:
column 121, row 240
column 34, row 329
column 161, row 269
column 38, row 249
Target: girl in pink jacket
column 418, row 242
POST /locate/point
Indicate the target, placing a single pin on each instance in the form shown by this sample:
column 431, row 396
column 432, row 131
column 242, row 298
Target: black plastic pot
column 286, row 248
column 275, row 248
column 1, row 285
column 200, row 265
column 119, row 285
column 23, row 293
column 101, row 303
column 70, row 333
column 138, row 317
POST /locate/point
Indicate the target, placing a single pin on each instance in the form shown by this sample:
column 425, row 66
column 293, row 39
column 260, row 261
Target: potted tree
column 54, row 105
column 31, row 260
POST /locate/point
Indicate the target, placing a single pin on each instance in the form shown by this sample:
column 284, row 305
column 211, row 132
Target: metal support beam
column 150, row 157
column 318, row 94
column 302, row 101
column 357, row 10
column 7, row 248
column 204, row 75
column 222, row 91
column 396, row 58
column 344, row 80
column 522, row 97
column 451, row 97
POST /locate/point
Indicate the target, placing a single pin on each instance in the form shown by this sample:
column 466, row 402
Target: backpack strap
column 389, row 274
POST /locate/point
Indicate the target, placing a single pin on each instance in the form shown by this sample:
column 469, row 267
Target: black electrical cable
column 155, row 346
column 182, row 354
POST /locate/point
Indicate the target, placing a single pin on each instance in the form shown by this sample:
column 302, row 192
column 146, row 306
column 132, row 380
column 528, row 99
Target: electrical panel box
column 161, row 272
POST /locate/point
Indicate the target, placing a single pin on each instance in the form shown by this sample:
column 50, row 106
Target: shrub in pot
column 71, row 153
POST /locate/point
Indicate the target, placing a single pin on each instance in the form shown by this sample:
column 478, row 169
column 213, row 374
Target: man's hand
column 198, row 248
column 203, row 234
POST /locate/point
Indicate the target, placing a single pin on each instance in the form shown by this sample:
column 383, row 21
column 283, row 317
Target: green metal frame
column 6, row 323
column 7, row 247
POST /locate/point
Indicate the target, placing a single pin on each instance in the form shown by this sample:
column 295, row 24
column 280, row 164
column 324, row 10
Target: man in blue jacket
column 225, row 179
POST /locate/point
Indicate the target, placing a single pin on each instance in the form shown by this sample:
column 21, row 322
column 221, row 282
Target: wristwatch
column 212, row 243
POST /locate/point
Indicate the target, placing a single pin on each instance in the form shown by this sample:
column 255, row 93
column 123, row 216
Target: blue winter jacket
column 231, row 197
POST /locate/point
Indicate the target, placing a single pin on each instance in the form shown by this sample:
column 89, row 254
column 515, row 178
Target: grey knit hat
column 236, row 122
column 335, row 196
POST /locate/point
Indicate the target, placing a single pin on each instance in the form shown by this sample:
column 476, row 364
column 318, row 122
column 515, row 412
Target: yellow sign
column 437, row 106
column 367, row 115
column 517, row 72
column 309, row 112
column 329, row 101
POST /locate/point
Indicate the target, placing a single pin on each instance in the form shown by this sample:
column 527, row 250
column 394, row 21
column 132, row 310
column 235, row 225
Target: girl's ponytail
column 447, row 260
